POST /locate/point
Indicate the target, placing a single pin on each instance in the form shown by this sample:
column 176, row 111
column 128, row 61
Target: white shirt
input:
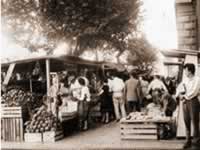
column 53, row 90
column 117, row 85
column 85, row 93
column 192, row 86
column 156, row 84
column 110, row 84
column 75, row 89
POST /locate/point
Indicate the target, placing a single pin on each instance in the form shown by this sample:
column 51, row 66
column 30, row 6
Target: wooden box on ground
column 138, row 130
column 33, row 137
column 52, row 136
column 12, row 124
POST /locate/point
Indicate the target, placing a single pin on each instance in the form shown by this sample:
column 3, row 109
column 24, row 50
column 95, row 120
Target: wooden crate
column 33, row 137
column 52, row 136
column 138, row 130
column 12, row 124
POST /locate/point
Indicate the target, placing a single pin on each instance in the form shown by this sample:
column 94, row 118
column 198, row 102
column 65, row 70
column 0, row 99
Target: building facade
column 188, row 24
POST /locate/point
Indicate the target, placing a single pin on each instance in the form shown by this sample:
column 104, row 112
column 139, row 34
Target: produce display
column 42, row 121
column 144, row 116
column 16, row 97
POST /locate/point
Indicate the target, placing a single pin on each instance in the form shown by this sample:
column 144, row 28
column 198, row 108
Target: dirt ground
column 101, row 137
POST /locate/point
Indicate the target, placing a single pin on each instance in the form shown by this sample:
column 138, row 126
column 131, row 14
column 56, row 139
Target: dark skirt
column 83, row 110
column 106, row 103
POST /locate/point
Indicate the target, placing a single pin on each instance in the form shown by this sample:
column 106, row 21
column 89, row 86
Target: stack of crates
column 12, row 124
column 133, row 129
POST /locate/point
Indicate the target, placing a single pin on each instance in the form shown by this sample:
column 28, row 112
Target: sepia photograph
column 100, row 75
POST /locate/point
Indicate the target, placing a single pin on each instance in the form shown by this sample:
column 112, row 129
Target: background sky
column 158, row 25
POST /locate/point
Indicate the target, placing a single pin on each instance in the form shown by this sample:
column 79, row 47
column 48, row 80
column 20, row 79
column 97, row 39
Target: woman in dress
column 106, row 102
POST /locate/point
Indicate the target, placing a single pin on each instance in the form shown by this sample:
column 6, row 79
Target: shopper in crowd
column 74, row 86
column 93, row 82
column 191, row 105
column 168, row 104
column 143, row 86
column 83, row 75
column 83, row 105
column 64, row 94
column 117, row 87
column 110, row 79
column 156, row 88
column 106, row 102
column 131, row 93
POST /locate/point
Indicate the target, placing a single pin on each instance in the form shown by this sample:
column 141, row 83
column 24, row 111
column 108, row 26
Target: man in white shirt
column 191, row 106
column 117, row 87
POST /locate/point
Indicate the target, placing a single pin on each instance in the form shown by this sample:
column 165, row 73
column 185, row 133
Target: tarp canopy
column 57, row 63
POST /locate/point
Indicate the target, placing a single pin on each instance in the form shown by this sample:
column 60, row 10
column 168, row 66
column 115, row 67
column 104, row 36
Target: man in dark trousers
column 191, row 106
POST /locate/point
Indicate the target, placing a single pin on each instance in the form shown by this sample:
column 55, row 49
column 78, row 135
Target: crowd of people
column 119, row 94
column 135, row 93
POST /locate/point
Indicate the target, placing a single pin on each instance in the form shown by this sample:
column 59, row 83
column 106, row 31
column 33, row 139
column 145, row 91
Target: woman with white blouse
column 83, row 104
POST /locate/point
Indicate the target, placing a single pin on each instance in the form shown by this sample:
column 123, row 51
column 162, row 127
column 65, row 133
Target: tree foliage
column 141, row 54
column 91, row 23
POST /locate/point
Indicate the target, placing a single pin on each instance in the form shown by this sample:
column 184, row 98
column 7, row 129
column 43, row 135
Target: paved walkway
column 104, row 137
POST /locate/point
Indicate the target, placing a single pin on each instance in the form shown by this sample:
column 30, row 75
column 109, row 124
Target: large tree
column 87, row 23
column 141, row 54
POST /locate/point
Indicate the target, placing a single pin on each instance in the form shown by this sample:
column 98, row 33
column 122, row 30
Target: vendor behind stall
column 168, row 104
column 155, row 88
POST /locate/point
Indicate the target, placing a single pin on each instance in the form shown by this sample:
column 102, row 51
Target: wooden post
column 9, row 74
column 31, row 86
column 48, row 75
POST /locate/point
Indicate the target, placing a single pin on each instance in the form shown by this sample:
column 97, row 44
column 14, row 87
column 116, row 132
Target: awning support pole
column 48, row 75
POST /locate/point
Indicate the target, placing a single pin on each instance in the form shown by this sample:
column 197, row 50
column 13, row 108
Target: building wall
column 198, row 18
column 187, row 19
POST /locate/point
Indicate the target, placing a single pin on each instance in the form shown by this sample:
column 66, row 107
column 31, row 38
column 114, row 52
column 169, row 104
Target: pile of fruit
column 144, row 116
column 139, row 116
column 42, row 121
column 17, row 97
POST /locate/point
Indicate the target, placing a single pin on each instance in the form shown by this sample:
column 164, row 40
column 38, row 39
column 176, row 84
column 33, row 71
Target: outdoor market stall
column 25, row 84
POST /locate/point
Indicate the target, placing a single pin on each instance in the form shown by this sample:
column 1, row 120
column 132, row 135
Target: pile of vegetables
column 42, row 121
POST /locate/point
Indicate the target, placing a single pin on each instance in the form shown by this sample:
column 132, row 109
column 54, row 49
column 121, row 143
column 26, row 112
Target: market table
column 66, row 116
column 141, row 129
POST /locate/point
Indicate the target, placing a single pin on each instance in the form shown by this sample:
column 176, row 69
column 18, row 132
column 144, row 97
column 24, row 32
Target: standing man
column 131, row 95
column 191, row 106
column 117, row 87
